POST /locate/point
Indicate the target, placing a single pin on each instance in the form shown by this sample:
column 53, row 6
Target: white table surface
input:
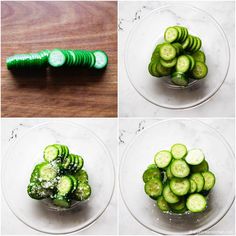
column 106, row 129
column 131, row 104
column 129, row 128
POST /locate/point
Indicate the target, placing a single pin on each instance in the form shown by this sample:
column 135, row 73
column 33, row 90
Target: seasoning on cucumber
column 188, row 179
column 60, row 177
column 179, row 57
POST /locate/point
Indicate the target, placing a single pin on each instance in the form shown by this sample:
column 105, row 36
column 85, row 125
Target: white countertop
column 131, row 104
column 106, row 129
column 129, row 128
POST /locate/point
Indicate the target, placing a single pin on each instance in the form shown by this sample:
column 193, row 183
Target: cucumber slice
column 195, row 157
column 193, row 186
column 153, row 69
column 163, row 204
column 202, row 167
column 152, row 166
column 66, row 151
column 199, row 56
column 179, row 168
column 179, row 187
column 80, row 162
column 36, row 191
column 153, row 188
column 178, row 151
column 61, row 201
column 200, row 70
column 196, row 202
column 83, row 192
column 161, row 70
column 186, row 43
column 169, row 196
column 192, row 62
column 65, row 185
column 199, row 180
column 209, row 179
column 101, row 59
column 183, row 64
column 47, row 172
column 167, row 52
column 179, row 206
column 35, row 173
column 81, row 176
column 151, row 173
column 66, row 162
column 50, row 153
column 162, row 159
column 179, row 79
column 171, row 34
column 180, row 33
column 60, row 149
column 169, row 175
column 75, row 183
column 168, row 64
column 56, row 58
column 72, row 161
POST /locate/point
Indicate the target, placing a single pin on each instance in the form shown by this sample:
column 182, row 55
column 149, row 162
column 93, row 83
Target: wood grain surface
column 34, row 26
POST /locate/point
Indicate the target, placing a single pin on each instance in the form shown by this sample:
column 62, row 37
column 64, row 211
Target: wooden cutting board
column 34, row 26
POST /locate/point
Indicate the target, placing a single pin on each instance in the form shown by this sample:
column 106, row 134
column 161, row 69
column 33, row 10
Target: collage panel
column 39, row 192
column 148, row 177
column 38, row 81
column 187, row 71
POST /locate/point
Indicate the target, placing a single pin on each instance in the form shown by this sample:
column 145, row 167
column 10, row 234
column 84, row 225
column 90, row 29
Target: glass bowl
column 27, row 151
column 140, row 153
column 149, row 32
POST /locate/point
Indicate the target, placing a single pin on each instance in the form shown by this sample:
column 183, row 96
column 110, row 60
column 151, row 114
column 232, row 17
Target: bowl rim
column 182, row 107
column 164, row 232
column 71, row 123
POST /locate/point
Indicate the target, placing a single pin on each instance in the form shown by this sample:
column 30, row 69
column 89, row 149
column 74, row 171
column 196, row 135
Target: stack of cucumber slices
column 180, row 180
column 60, row 177
column 179, row 56
column 96, row 59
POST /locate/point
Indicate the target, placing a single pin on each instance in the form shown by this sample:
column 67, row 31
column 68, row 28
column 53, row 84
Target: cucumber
column 183, row 64
column 179, row 168
column 83, row 192
column 101, row 59
column 162, row 159
column 153, row 188
column 36, row 191
column 195, row 157
column 200, row 70
column 35, row 173
column 199, row 56
column 167, row 52
column 151, row 173
column 209, row 179
column 168, row 195
column 163, row 204
column 75, row 182
column 161, row 70
column 152, row 68
column 50, row 153
column 178, row 151
column 199, row 180
column 152, row 166
column 186, row 43
column 80, row 162
column 81, row 176
column 178, row 207
column 180, row 79
column 193, row 186
column 179, row 186
column 47, row 172
column 56, row 58
column 61, row 201
column 196, row 202
column 168, row 64
column 202, row 167
column 169, row 175
column 60, row 150
column 65, row 185
column 171, row 34
column 192, row 62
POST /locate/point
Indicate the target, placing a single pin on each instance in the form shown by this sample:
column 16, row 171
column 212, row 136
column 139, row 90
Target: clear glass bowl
column 140, row 153
column 149, row 32
column 27, row 151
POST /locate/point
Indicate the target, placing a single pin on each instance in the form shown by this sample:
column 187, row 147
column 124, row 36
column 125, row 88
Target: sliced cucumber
column 60, row 150
column 200, row 70
column 150, row 174
column 179, row 206
column 179, row 186
column 50, row 153
column 168, row 64
column 161, row 70
column 163, row 159
column 178, row 151
column 81, row 176
column 152, row 166
column 196, row 202
column 199, row 180
column 163, row 204
column 195, row 157
column 65, row 185
column 80, row 162
column 47, row 172
column 169, row 196
column 179, row 79
column 75, row 183
column 167, row 52
column 83, row 192
column 193, row 186
column 169, row 175
column 153, row 188
column 101, row 59
column 36, row 191
column 183, row 64
column 179, row 168
column 202, row 167
column 61, row 201
column 171, row 34
column 199, row 56
column 209, row 179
